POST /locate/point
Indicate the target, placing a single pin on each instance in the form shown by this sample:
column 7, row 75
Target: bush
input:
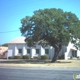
column 26, row 57
column 10, row 57
column 44, row 57
column 17, row 57
column 61, row 56
column 71, row 57
column 36, row 57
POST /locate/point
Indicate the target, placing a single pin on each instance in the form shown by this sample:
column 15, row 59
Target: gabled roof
column 17, row 40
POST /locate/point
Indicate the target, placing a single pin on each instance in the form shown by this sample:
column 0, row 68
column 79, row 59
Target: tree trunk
column 57, row 50
column 55, row 56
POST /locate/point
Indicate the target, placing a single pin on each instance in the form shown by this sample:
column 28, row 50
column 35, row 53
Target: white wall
column 68, row 53
column 78, row 53
column 71, row 47
column 52, row 51
column 42, row 51
column 10, row 53
column 13, row 50
column 32, row 52
column 24, row 50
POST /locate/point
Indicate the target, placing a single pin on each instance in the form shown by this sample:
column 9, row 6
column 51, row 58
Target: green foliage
column 44, row 57
column 26, row 57
column 51, row 26
column 10, row 57
column 71, row 57
column 17, row 57
column 6, row 45
column 36, row 57
column 61, row 56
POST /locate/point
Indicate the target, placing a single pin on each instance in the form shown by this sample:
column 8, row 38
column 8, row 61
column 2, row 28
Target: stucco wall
column 13, row 50
column 71, row 47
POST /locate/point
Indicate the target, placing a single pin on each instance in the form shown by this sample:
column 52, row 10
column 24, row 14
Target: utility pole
column 0, row 50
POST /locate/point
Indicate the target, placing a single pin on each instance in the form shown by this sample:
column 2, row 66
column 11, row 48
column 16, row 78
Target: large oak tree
column 51, row 26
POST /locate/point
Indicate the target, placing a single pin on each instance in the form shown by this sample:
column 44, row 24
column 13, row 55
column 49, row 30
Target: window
column 28, row 51
column 74, row 53
column 37, row 51
column 46, row 51
column 20, row 51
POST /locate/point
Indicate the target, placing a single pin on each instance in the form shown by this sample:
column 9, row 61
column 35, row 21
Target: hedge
column 61, row 56
column 26, row 57
column 36, row 57
column 17, row 57
column 44, row 57
column 10, row 57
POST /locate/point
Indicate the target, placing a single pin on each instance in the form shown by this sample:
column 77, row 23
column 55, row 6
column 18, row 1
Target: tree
column 50, row 26
column 76, row 36
column 6, row 45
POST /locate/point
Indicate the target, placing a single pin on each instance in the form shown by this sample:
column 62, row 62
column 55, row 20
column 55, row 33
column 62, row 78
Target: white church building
column 18, row 47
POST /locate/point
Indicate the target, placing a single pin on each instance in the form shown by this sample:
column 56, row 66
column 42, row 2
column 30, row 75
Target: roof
column 3, row 49
column 17, row 40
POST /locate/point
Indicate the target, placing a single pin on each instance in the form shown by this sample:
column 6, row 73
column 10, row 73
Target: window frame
column 28, row 51
column 20, row 51
column 37, row 51
column 74, row 53
column 47, row 52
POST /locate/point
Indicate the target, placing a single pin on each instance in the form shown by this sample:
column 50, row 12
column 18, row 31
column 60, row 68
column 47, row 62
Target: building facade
column 19, row 47
column 23, row 49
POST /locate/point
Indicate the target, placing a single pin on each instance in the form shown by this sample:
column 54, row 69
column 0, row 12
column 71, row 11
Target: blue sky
column 12, row 11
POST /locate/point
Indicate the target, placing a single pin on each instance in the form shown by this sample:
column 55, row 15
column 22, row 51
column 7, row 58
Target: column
column 24, row 52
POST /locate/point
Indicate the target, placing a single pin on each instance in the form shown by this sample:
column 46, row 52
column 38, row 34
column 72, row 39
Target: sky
column 12, row 11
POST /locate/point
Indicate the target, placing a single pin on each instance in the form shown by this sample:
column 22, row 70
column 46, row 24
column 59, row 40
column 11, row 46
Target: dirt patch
column 58, row 63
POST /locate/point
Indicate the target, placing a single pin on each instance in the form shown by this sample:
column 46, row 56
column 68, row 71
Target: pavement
column 20, row 73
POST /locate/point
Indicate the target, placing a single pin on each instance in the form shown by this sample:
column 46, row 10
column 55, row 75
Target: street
column 18, row 73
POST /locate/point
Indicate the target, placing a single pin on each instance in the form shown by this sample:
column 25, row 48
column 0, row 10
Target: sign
column 76, row 76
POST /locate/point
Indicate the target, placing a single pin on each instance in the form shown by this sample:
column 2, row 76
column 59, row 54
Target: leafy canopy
column 52, row 26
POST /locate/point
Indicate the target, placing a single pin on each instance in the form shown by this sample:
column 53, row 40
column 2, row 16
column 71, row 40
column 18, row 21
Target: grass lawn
column 57, row 64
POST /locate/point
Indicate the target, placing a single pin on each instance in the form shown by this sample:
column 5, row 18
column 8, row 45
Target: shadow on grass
column 63, row 62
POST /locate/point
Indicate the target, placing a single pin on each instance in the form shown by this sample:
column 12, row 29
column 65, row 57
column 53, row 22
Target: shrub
column 10, row 57
column 36, row 57
column 44, row 57
column 17, row 57
column 26, row 57
column 61, row 56
column 71, row 57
